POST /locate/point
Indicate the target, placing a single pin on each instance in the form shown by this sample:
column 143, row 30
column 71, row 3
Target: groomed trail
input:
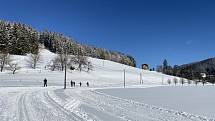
column 78, row 104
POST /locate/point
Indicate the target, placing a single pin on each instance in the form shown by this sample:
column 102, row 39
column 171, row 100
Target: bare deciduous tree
column 34, row 59
column 81, row 61
column 13, row 67
column 54, row 65
column 169, row 81
column 182, row 81
column 189, row 81
column 196, row 82
column 175, row 80
column 204, row 82
column 4, row 59
column 59, row 62
column 61, row 59
column 89, row 66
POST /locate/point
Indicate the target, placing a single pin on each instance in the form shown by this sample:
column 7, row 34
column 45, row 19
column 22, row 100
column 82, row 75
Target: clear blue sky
column 181, row 31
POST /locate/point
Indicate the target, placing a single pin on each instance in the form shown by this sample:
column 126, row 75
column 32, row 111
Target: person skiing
column 80, row 84
column 45, row 82
column 88, row 84
column 71, row 82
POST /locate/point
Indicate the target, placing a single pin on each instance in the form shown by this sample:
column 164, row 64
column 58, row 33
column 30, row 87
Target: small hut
column 145, row 66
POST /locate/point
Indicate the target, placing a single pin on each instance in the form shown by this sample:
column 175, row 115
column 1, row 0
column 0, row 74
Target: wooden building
column 145, row 66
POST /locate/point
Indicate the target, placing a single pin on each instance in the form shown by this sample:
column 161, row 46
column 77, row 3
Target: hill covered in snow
column 20, row 39
column 104, row 73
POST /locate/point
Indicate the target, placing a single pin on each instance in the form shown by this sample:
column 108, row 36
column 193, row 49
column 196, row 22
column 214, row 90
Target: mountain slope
column 205, row 66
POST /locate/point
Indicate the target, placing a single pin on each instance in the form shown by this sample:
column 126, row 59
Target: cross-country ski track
column 78, row 104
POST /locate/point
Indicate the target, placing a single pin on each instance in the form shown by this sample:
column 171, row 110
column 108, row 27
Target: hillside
column 104, row 73
column 22, row 92
column 194, row 70
column 202, row 66
column 21, row 39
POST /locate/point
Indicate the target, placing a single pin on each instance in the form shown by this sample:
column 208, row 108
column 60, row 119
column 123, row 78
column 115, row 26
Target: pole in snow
column 140, row 78
column 65, row 78
column 124, row 78
column 162, row 78
column 65, row 59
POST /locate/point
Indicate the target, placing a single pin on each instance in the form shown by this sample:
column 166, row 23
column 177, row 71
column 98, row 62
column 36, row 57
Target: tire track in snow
column 69, row 114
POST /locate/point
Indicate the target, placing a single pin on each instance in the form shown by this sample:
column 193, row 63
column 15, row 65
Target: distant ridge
column 201, row 66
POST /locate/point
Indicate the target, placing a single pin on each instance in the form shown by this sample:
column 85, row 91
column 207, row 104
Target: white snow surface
column 197, row 100
column 22, row 97
column 105, row 74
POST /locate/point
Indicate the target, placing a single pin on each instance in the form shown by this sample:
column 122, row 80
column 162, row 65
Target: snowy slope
column 105, row 73
column 36, row 103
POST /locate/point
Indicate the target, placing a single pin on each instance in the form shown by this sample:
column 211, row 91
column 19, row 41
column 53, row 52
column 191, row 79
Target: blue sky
column 181, row 31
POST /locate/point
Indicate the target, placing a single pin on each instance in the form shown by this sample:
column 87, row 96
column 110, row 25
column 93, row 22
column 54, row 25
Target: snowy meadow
column 146, row 96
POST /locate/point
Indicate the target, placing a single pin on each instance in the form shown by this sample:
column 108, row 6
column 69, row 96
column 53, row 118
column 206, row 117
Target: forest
column 21, row 39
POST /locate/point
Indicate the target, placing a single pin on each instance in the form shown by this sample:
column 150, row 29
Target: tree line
column 21, row 39
column 193, row 71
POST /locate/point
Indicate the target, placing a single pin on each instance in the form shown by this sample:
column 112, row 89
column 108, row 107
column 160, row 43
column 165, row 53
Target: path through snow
column 79, row 104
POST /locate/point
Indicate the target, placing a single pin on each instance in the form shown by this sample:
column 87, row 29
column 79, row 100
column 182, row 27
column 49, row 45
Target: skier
column 71, row 82
column 80, row 84
column 87, row 84
column 45, row 82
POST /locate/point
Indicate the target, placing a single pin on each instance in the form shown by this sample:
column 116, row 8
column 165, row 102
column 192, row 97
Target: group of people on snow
column 72, row 83
column 80, row 84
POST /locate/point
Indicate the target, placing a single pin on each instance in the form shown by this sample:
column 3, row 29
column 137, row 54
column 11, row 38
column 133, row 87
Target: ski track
column 3, row 107
column 129, row 110
column 33, row 105
column 22, row 110
column 72, row 116
column 151, row 111
column 79, row 104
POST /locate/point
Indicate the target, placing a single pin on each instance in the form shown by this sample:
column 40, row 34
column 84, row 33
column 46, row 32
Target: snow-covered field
column 23, row 99
column 197, row 100
column 105, row 73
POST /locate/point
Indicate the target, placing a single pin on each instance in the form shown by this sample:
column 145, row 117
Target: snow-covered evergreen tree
column 20, row 39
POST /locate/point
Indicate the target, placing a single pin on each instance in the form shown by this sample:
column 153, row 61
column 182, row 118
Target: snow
column 104, row 74
column 197, row 100
column 22, row 97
